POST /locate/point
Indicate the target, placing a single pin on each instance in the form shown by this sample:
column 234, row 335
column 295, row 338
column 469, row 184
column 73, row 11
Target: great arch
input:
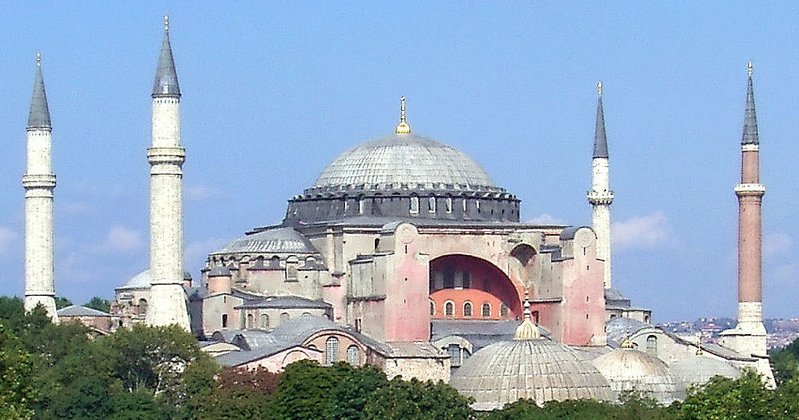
column 466, row 287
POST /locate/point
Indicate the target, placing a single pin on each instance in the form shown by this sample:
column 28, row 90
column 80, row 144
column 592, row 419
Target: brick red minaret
column 749, row 336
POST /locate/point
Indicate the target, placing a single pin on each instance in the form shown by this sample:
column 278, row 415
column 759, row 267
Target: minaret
column 166, row 156
column 600, row 195
column 39, row 183
column 749, row 336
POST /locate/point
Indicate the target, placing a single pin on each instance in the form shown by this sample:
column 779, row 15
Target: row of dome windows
column 485, row 310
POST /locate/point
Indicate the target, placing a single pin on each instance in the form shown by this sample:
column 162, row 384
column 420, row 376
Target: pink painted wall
column 582, row 317
column 407, row 317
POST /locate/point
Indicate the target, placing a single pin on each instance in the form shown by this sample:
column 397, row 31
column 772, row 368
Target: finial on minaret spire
column 166, row 23
column 402, row 127
column 38, row 59
column 599, row 88
column 750, row 135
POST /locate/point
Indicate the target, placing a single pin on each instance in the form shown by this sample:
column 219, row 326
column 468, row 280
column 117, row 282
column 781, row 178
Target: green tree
column 785, row 362
column 240, row 394
column 414, row 399
column 62, row 302
column 354, row 387
column 98, row 303
column 16, row 378
column 304, row 391
column 725, row 398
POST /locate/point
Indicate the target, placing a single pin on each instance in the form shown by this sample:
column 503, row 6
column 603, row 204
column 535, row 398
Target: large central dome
column 404, row 159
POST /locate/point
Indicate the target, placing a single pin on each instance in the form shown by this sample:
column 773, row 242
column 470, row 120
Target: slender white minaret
column 600, row 195
column 166, row 156
column 39, row 183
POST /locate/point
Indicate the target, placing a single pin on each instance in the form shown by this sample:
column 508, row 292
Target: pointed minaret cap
column 402, row 127
column 750, row 117
column 39, row 116
column 600, row 138
column 166, row 78
column 527, row 330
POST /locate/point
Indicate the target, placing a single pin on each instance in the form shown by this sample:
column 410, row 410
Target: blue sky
column 274, row 91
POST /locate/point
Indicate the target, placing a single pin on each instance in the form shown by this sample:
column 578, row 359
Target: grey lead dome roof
column 539, row 369
column 403, row 158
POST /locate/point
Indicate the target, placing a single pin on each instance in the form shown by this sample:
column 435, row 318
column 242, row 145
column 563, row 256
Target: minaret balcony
column 600, row 197
column 750, row 189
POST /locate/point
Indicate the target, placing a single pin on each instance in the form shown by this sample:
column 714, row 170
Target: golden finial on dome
column 599, row 88
column 527, row 330
column 38, row 59
column 166, row 23
column 402, row 127
column 627, row 344
column 749, row 68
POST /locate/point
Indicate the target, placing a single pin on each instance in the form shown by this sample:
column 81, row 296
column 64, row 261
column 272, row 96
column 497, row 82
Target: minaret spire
column 402, row 127
column 600, row 137
column 749, row 336
column 166, row 78
column 750, row 117
column 166, row 156
column 39, row 116
column 600, row 197
column 39, row 182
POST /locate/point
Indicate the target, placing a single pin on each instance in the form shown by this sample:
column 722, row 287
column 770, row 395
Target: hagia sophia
column 406, row 255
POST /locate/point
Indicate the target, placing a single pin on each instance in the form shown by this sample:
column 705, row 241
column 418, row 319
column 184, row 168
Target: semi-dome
column 698, row 369
column 404, row 159
column 537, row 368
column 632, row 370
column 143, row 280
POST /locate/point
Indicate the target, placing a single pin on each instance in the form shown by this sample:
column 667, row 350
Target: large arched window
column 353, row 355
column 486, row 310
column 224, row 320
column 454, row 355
column 331, row 351
column 503, row 310
column 467, row 310
column 250, row 321
column 264, row 321
column 284, row 317
column 449, row 308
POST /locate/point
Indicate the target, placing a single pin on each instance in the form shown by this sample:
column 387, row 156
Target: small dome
column 697, row 370
column 539, row 369
column 270, row 241
column 631, row 370
column 405, row 159
column 139, row 281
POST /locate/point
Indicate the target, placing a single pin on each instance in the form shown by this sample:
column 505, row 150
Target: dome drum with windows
column 404, row 175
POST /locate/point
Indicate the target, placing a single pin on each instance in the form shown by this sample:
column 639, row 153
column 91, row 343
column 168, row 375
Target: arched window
column 224, row 320
column 414, row 204
column 274, row 262
column 449, row 309
column 467, row 280
column 486, row 310
column 264, row 321
column 449, row 204
column 353, row 355
column 360, row 204
column 431, row 204
column 331, row 351
column 142, row 306
column 652, row 345
column 536, row 317
column 503, row 310
column 284, row 317
column 306, row 314
column 250, row 321
column 432, row 308
column 454, row 355
column 467, row 310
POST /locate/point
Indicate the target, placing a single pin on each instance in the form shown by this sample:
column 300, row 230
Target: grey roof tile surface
column 166, row 77
column 271, row 240
column 750, row 117
column 600, row 135
column 39, row 116
column 76, row 310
